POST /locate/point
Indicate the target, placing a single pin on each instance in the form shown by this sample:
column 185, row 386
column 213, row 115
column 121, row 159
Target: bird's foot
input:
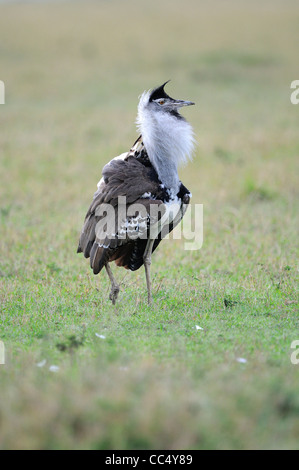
column 149, row 299
column 114, row 293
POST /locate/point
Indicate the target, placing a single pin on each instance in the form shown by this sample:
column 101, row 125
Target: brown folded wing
column 114, row 230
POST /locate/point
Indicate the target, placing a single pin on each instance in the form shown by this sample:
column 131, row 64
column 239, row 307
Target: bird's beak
column 181, row 103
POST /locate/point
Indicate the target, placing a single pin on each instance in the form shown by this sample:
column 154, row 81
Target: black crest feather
column 159, row 92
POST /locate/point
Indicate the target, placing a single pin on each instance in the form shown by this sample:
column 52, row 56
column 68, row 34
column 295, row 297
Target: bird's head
column 157, row 101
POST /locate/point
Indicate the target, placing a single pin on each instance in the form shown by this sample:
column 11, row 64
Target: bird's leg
column 114, row 286
column 147, row 259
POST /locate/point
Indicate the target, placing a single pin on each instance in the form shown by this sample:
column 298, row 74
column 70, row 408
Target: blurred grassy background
column 73, row 73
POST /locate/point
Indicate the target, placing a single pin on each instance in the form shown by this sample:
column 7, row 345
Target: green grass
column 73, row 73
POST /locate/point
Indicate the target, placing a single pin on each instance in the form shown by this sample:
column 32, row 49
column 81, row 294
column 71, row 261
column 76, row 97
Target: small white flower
column 198, row 327
column 241, row 360
column 100, row 336
column 41, row 363
column 53, row 368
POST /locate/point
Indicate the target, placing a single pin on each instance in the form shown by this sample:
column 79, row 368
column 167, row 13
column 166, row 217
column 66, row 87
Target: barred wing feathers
column 121, row 178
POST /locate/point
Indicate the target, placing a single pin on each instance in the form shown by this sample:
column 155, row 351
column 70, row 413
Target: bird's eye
column 161, row 101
